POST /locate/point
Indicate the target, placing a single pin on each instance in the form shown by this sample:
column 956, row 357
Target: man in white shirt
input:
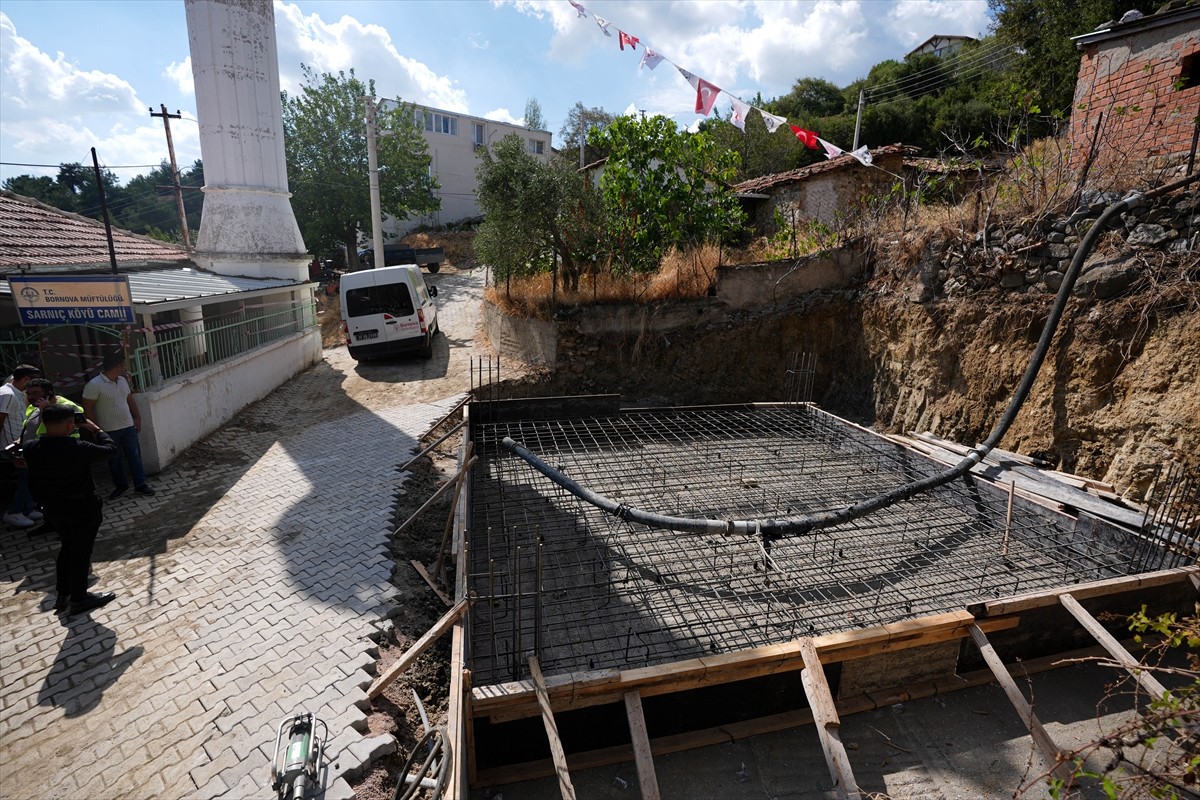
column 108, row 401
column 21, row 512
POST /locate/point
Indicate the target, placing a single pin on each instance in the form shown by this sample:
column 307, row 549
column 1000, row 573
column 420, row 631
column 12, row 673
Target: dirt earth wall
column 1118, row 395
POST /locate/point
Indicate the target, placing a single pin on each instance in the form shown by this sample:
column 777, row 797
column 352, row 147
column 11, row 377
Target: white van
column 387, row 311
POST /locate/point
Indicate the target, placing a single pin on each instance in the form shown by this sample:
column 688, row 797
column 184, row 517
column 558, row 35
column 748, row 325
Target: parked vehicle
column 395, row 254
column 387, row 311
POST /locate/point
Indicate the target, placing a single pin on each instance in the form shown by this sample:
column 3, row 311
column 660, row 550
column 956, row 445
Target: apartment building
column 454, row 141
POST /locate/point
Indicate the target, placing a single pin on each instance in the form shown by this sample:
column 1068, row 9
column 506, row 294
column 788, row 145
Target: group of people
column 52, row 465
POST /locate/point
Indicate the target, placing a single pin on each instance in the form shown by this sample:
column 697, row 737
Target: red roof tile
column 33, row 234
column 764, row 182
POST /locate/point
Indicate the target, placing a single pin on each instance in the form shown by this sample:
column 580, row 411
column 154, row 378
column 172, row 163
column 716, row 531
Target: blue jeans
column 22, row 500
column 127, row 444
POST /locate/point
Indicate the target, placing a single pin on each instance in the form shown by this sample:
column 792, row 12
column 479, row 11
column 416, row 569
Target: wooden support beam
column 556, row 749
column 420, row 646
column 820, row 701
column 1054, row 757
column 425, row 576
column 515, row 700
column 1114, row 648
column 440, row 439
column 1082, row 591
column 445, row 487
column 458, row 485
column 642, row 755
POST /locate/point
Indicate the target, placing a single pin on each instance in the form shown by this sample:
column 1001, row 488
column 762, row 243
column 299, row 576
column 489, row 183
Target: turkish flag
column 808, row 137
column 626, row 39
column 706, row 96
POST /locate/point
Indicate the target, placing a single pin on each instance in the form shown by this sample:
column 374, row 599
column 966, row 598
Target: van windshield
column 390, row 298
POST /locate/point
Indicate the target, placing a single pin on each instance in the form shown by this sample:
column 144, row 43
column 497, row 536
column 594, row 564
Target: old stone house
column 824, row 192
column 1138, row 90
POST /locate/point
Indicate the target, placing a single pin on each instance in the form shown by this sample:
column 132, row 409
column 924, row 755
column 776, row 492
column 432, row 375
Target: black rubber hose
column 776, row 528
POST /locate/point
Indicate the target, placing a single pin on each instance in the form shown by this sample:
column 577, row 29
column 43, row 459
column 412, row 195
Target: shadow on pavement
column 85, row 667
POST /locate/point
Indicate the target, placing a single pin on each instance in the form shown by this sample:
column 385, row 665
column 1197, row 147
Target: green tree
column 663, row 188
column 580, row 120
column 759, row 151
column 811, row 97
column 1045, row 61
column 326, row 150
column 537, row 216
column 533, row 115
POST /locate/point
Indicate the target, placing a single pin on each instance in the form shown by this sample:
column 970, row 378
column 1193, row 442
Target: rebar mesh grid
column 582, row 590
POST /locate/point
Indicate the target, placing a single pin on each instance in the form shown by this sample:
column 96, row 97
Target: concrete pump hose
column 804, row 523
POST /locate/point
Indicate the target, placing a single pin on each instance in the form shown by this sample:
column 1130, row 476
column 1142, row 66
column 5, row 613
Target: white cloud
column 914, row 21
column 504, row 115
column 339, row 46
column 181, row 73
column 478, row 41
column 35, row 82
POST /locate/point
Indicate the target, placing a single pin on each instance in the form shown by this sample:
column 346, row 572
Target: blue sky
column 76, row 74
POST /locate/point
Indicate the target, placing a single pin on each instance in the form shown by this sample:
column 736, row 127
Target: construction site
column 568, row 612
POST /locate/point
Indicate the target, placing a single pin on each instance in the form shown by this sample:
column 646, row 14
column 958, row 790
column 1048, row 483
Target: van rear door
column 380, row 314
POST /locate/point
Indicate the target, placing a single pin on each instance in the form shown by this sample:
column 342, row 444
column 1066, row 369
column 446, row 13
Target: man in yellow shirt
column 40, row 393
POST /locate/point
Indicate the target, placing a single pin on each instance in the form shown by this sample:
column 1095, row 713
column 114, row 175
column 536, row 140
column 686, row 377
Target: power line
column 57, row 166
column 938, row 76
column 973, row 55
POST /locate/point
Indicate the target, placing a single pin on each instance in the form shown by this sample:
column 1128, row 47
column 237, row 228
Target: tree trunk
column 350, row 242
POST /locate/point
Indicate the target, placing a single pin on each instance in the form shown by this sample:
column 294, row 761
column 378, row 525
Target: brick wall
column 1132, row 81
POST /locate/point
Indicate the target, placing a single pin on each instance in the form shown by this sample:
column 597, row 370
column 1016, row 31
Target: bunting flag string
column 707, row 93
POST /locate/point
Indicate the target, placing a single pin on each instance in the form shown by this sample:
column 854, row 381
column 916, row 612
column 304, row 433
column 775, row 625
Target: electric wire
column 976, row 62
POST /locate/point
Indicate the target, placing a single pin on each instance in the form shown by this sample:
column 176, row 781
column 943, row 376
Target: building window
column 1189, row 72
column 441, row 123
column 477, row 135
column 537, row 147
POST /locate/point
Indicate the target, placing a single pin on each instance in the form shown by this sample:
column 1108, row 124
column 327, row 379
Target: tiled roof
column 761, row 184
column 36, row 235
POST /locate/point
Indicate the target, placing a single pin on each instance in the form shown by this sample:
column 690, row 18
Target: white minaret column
column 247, row 227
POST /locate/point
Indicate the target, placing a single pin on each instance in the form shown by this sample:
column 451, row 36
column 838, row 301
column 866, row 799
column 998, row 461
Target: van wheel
column 427, row 350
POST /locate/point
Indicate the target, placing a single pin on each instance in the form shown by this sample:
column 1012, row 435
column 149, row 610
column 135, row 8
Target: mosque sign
column 73, row 300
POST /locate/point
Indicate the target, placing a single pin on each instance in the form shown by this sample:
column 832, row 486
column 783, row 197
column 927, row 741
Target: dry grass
column 459, row 245
column 682, row 275
column 329, row 319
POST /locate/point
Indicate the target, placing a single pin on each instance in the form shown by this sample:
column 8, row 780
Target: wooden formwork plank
column 1114, row 648
column 825, row 714
column 561, row 769
column 516, row 700
column 643, row 757
column 438, row 630
column 1082, row 591
column 1049, row 750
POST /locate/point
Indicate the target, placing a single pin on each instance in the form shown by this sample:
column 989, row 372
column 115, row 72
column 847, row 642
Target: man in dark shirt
column 60, row 475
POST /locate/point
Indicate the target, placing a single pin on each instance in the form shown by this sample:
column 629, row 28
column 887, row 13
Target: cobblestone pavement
column 252, row 585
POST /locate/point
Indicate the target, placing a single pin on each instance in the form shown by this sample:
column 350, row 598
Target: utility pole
column 378, row 259
column 183, row 226
column 862, row 101
column 112, row 251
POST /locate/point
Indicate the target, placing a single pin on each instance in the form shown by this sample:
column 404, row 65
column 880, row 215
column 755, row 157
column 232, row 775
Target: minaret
column 247, row 227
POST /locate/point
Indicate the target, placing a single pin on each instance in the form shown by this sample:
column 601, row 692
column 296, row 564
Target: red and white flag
column 603, row 23
column 578, row 8
column 808, row 137
column 831, row 150
column 771, row 121
column 625, row 39
column 706, row 95
column 650, row 58
column 738, row 117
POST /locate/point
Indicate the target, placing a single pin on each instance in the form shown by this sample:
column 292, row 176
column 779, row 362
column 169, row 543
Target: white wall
column 453, row 159
column 194, row 405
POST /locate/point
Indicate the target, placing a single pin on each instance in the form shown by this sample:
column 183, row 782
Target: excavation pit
column 625, row 641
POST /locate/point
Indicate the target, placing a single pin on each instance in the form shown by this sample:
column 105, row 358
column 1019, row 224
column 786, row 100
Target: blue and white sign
column 73, row 300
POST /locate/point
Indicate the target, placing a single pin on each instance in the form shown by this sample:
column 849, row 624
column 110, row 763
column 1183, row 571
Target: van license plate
column 360, row 335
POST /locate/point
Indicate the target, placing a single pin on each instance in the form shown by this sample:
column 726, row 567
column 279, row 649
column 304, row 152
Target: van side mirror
column 433, row 291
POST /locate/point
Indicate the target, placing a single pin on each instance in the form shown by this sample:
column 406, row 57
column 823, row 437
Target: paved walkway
column 254, row 584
